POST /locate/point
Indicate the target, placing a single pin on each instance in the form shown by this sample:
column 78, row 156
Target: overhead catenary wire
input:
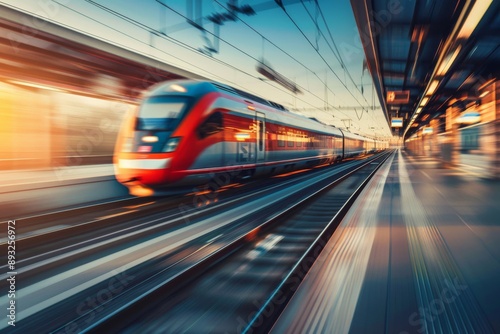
column 292, row 57
column 175, row 41
column 181, row 44
column 159, row 34
column 320, row 55
column 340, row 57
column 245, row 53
column 136, row 39
column 231, row 45
column 272, row 43
column 279, row 48
column 152, row 30
column 338, row 54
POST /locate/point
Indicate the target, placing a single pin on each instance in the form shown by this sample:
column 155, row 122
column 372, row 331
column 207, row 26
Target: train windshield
column 161, row 113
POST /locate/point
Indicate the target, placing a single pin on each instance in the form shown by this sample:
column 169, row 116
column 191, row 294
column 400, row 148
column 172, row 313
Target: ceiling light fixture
column 483, row 94
column 432, row 87
column 448, row 61
column 475, row 15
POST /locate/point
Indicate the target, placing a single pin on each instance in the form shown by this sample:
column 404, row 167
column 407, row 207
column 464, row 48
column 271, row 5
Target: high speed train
column 186, row 132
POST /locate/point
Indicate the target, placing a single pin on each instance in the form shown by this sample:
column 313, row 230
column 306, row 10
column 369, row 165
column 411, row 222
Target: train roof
column 354, row 135
column 197, row 87
column 194, row 87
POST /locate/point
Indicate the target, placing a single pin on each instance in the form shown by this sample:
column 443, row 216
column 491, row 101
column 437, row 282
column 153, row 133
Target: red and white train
column 186, row 132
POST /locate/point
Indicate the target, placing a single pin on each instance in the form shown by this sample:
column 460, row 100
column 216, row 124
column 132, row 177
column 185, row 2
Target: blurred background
column 84, row 64
column 70, row 72
column 44, row 127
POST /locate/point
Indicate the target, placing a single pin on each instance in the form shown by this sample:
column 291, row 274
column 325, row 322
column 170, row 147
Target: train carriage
column 186, row 132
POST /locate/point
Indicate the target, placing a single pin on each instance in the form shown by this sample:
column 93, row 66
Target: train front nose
column 145, row 151
column 146, row 159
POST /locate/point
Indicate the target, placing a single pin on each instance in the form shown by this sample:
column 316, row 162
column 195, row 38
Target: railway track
column 46, row 227
column 67, row 235
column 155, row 252
column 236, row 295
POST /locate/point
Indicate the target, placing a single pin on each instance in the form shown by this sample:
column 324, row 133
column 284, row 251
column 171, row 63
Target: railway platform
column 27, row 192
column 419, row 251
column 17, row 180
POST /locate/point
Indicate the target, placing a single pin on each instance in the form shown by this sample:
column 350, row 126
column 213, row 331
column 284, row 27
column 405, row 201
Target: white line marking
column 426, row 175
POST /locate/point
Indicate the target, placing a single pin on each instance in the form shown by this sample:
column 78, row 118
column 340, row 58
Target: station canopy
column 425, row 56
column 39, row 54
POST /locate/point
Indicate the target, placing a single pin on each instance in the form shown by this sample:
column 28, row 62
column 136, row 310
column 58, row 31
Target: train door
column 260, row 129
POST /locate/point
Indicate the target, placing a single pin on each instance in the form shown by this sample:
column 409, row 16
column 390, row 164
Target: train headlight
column 127, row 145
column 171, row 144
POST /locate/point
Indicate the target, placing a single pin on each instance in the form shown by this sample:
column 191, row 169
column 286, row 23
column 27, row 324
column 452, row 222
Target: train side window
column 281, row 141
column 212, row 125
column 290, row 141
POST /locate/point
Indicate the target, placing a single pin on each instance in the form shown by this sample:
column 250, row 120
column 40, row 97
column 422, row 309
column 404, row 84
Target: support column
column 451, row 144
column 421, row 144
column 433, row 138
column 496, row 157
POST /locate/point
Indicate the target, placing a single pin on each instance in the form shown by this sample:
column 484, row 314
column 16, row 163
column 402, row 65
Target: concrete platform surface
column 419, row 252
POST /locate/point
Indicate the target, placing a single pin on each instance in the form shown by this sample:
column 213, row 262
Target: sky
column 294, row 40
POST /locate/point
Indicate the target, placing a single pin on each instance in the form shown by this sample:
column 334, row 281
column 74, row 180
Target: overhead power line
column 320, row 55
column 179, row 43
column 157, row 33
column 245, row 53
